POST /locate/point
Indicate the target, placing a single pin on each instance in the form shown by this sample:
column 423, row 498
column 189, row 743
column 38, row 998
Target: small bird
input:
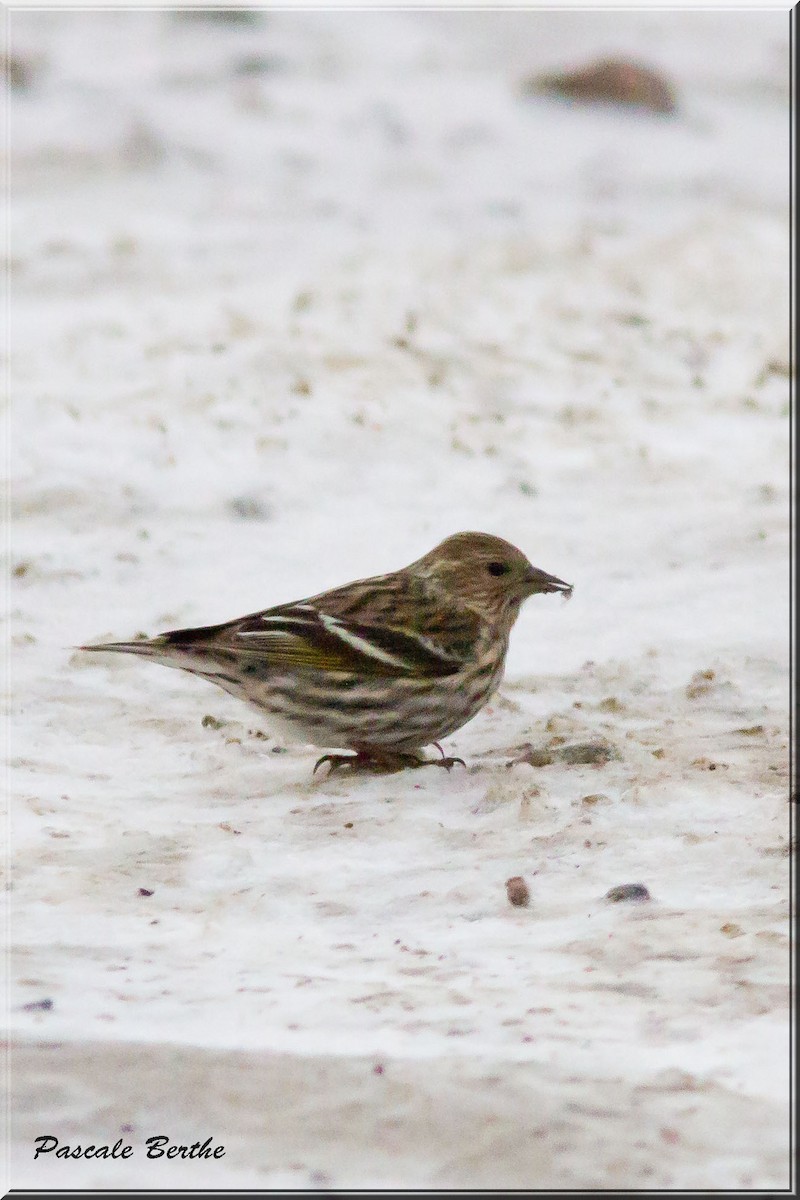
column 382, row 666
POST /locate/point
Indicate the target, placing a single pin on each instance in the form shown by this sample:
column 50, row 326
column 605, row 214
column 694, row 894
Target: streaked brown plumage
column 382, row 666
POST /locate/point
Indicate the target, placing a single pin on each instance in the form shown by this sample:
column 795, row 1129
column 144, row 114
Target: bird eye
column 498, row 568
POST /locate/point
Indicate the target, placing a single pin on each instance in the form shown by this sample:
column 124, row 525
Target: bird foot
column 372, row 764
column 447, row 763
column 386, row 763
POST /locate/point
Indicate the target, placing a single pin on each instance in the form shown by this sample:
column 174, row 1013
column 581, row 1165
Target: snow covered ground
column 293, row 298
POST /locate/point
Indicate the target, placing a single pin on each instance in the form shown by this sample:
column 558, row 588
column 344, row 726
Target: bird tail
column 149, row 648
column 187, row 649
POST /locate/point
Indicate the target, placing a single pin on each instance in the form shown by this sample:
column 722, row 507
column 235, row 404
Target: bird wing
column 302, row 635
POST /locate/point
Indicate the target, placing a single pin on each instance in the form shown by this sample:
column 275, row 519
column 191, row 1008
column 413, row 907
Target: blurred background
column 298, row 293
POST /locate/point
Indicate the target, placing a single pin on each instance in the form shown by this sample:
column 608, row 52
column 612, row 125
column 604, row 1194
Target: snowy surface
column 293, row 299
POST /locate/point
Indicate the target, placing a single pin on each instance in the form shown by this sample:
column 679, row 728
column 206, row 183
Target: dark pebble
column 628, row 891
column 257, row 64
column 249, row 508
column 38, row 1006
column 517, row 891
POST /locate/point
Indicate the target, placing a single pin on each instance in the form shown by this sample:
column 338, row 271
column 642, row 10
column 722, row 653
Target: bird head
column 486, row 573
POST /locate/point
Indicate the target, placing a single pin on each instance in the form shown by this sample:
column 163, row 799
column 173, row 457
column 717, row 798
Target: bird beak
column 540, row 581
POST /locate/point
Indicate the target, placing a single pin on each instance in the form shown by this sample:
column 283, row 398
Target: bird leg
column 383, row 762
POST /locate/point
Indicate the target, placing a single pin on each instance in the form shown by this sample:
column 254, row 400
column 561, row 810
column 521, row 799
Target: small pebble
column 249, row 508
column 20, row 72
column 701, row 683
column 534, row 756
column 587, row 753
column 144, row 892
column 256, row 64
column 38, row 1006
column 628, row 891
column 517, row 891
column 595, row 798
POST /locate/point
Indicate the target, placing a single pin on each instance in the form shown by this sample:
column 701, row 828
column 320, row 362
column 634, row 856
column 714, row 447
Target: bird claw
column 447, row 763
column 337, row 761
column 383, row 764
column 360, row 763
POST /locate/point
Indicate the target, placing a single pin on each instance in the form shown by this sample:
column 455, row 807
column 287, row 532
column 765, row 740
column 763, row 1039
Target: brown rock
column 611, row 80
column 517, row 891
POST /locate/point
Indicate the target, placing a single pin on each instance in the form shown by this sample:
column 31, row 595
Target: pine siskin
column 382, row 666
